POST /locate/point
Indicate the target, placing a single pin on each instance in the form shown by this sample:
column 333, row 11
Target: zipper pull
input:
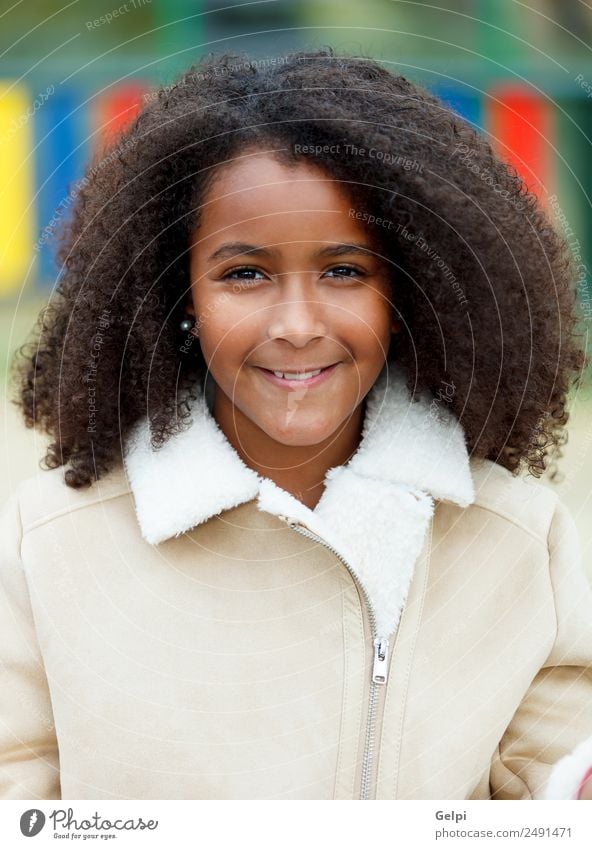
column 380, row 667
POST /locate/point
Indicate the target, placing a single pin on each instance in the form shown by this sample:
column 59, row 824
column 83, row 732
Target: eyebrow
column 231, row 249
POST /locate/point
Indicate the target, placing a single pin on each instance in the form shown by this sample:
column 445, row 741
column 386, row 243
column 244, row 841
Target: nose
column 298, row 319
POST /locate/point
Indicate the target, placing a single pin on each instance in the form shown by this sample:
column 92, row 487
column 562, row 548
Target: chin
column 300, row 433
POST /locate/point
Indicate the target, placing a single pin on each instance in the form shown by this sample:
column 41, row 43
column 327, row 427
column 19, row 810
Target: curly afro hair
column 485, row 283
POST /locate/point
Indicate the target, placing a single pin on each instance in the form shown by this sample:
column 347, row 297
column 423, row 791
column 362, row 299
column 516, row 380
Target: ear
column 395, row 325
column 189, row 308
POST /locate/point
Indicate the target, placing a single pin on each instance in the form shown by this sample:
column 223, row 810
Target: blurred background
column 73, row 73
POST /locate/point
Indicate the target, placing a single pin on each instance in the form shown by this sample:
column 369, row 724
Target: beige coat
column 185, row 629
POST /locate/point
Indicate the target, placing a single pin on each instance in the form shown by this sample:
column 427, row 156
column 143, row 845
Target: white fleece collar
column 374, row 511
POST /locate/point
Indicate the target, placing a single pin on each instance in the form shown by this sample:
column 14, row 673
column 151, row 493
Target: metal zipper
column 380, row 661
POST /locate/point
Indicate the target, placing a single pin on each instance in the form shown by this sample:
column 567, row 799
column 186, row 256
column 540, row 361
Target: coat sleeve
column 547, row 748
column 29, row 767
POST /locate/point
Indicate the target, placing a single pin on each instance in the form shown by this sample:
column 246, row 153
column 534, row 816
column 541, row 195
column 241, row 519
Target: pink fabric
column 583, row 781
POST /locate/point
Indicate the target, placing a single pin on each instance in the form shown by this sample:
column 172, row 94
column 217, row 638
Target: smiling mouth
column 297, row 375
column 293, row 378
column 300, row 374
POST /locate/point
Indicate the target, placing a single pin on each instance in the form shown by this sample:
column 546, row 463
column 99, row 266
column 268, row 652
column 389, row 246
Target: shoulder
column 519, row 500
column 46, row 496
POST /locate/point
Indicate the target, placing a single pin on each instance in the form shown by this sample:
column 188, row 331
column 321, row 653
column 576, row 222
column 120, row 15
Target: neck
column 297, row 469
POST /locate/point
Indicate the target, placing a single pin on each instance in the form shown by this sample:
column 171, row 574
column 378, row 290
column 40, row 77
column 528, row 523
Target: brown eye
column 345, row 271
column 245, row 273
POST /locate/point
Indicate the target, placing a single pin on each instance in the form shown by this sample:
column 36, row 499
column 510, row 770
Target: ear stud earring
column 186, row 325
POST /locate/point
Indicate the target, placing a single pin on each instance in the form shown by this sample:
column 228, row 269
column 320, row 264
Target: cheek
column 371, row 325
column 226, row 335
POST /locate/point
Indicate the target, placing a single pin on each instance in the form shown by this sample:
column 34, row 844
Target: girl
column 307, row 332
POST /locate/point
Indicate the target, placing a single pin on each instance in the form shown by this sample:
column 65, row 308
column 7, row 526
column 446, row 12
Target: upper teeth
column 302, row 375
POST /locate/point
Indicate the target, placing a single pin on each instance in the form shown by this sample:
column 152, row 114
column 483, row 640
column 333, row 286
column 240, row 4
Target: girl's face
column 285, row 283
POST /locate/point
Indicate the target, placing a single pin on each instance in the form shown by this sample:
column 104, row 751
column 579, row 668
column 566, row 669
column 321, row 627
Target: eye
column 245, row 273
column 345, row 271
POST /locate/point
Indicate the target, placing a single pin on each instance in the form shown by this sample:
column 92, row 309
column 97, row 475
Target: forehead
column 264, row 195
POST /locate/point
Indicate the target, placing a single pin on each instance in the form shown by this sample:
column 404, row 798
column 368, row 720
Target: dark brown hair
column 484, row 282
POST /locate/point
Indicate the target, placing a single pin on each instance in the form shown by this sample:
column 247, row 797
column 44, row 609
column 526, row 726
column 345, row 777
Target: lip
column 324, row 375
